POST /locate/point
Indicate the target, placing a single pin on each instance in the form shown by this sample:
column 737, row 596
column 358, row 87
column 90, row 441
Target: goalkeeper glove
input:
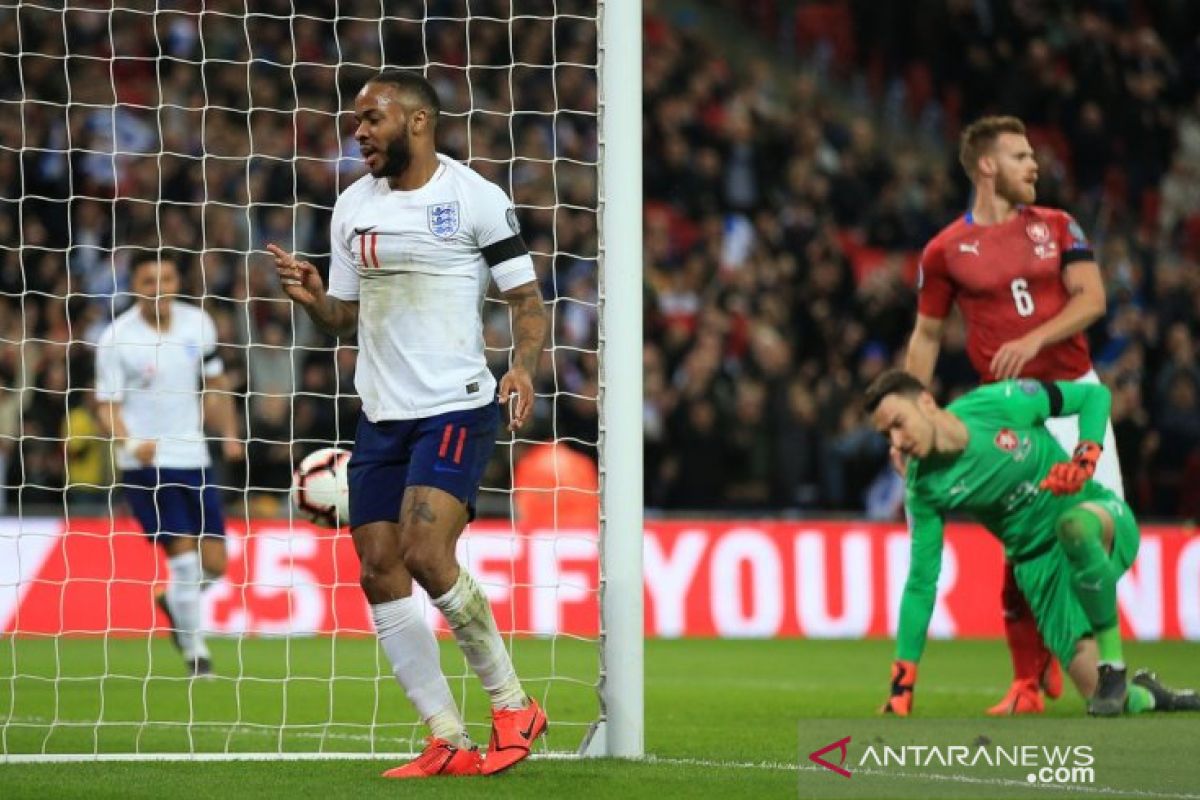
column 1068, row 477
column 904, row 679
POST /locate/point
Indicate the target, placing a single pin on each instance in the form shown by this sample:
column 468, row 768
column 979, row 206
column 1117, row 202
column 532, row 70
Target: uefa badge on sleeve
column 443, row 219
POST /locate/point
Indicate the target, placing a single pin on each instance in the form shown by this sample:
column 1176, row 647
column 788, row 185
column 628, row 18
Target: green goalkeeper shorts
column 1045, row 580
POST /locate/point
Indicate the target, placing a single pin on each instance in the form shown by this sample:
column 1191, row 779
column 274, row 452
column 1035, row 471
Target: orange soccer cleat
column 1023, row 698
column 904, row 682
column 513, row 732
column 438, row 759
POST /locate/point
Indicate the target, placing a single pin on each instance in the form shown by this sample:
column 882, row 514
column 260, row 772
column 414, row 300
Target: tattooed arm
column 529, row 334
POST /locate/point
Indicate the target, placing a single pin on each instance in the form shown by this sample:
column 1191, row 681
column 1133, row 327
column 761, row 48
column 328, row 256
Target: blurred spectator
column 270, row 454
column 1177, row 435
column 749, row 449
column 801, row 460
column 10, row 417
column 555, row 486
column 1131, row 430
column 89, row 457
column 694, row 466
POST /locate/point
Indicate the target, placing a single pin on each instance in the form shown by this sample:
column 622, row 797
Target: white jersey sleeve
column 343, row 277
column 498, row 236
column 109, row 386
column 213, row 366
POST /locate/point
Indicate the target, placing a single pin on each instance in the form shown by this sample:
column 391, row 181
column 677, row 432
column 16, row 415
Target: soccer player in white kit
column 156, row 366
column 413, row 244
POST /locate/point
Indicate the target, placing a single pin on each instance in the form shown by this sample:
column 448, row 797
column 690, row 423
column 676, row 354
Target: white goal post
column 621, row 730
column 150, row 125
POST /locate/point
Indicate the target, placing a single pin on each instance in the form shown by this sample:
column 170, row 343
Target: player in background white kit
column 156, row 366
column 413, row 245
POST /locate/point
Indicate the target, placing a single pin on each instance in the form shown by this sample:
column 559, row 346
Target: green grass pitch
column 727, row 719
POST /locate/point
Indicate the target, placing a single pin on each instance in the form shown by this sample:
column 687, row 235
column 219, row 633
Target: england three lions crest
column 443, row 219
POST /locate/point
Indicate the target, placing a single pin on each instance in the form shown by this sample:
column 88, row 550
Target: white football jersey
column 417, row 263
column 156, row 377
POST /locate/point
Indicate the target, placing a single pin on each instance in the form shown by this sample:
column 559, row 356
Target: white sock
column 416, row 663
column 183, row 598
column 466, row 609
column 208, row 580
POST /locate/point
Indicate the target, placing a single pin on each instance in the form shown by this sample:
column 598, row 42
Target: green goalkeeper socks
column 1093, row 577
column 1108, row 642
column 1138, row 699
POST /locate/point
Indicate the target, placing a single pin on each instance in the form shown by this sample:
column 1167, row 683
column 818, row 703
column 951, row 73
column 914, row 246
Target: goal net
column 201, row 132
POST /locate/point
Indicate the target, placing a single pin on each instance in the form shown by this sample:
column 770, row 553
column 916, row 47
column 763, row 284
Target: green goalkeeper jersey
column 994, row 481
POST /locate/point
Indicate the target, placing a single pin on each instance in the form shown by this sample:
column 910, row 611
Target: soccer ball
column 319, row 487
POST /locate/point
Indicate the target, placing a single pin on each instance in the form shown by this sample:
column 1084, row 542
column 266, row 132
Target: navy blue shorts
column 449, row 452
column 171, row 502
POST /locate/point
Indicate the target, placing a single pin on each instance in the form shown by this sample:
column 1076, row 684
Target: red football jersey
column 1007, row 280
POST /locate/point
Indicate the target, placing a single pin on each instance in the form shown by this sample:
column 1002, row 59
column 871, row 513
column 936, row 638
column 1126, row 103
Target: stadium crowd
column 786, row 211
column 781, row 230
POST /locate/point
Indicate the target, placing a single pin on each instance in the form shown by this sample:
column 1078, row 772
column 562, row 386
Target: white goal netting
column 202, row 131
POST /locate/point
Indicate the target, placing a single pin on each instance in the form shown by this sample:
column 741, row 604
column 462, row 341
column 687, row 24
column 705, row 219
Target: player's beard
column 1016, row 192
column 397, row 155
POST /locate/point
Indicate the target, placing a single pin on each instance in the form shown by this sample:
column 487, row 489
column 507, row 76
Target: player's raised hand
column 1012, row 357
column 300, row 279
column 904, row 680
column 516, row 389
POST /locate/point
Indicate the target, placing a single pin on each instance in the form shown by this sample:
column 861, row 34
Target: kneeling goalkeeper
column 989, row 456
